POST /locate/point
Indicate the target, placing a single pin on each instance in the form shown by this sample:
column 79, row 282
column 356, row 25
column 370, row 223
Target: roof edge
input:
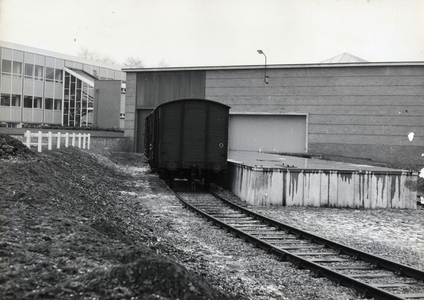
column 63, row 56
column 276, row 66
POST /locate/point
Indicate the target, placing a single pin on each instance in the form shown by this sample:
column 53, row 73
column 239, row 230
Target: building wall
column 130, row 109
column 364, row 110
column 353, row 111
column 107, row 103
column 31, row 83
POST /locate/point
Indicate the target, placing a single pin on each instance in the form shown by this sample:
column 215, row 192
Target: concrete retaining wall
column 297, row 187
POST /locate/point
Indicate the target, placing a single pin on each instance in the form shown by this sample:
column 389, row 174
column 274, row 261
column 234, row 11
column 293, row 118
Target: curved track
column 371, row 275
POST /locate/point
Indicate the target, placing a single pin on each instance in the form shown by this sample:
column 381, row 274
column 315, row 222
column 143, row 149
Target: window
column 38, row 102
column 16, row 100
column 58, row 74
column 11, row 68
column 29, row 71
column 39, row 70
column 49, row 74
column 6, row 67
column 49, row 103
column 28, row 101
column 5, row 100
column 17, row 69
column 57, row 104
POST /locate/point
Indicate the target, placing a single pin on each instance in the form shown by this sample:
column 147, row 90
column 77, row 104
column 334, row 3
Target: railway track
column 371, row 275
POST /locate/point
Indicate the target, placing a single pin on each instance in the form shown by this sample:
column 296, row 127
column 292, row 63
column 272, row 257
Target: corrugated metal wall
column 160, row 87
column 154, row 88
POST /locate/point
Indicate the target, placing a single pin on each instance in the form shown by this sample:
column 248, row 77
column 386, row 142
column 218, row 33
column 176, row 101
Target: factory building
column 40, row 87
column 343, row 107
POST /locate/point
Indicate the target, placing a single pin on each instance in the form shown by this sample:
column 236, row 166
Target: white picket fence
column 77, row 140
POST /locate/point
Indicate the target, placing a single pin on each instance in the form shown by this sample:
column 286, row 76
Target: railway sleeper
column 282, row 245
column 390, row 285
column 411, row 296
column 314, row 253
column 227, row 216
column 297, row 247
column 243, row 222
column 251, row 225
column 281, row 235
column 371, row 275
column 352, row 268
column 329, row 260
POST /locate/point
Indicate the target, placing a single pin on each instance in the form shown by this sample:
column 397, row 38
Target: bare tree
column 133, row 62
column 108, row 60
column 88, row 54
column 96, row 56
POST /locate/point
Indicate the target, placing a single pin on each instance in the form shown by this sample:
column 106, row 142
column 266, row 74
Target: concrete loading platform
column 264, row 179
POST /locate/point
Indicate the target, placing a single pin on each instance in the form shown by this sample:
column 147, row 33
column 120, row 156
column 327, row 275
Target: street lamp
column 266, row 77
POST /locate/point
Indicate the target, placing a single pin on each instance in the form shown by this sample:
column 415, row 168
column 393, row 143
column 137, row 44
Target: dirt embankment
column 71, row 229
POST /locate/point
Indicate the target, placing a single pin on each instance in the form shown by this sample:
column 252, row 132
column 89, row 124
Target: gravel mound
column 12, row 148
column 71, row 228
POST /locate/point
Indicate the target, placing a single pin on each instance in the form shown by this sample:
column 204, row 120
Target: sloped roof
column 343, row 58
column 81, row 75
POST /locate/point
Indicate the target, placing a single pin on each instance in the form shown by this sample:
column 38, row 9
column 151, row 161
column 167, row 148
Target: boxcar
column 187, row 138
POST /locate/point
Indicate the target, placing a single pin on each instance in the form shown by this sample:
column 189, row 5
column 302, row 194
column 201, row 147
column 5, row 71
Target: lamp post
column 266, row 77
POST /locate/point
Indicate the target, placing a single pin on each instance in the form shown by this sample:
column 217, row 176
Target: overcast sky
column 220, row 32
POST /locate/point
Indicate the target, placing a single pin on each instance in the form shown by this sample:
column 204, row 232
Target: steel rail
column 299, row 262
column 377, row 261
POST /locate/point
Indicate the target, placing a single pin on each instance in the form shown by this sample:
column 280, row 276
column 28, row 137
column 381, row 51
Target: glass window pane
column 17, row 69
column 28, row 101
column 39, row 72
column 67, row 80
column 58, row 75
column 49, row 103
column 6, row 67
column 29, row 71
column 16, row 100
column 38, row 102
column 49, row 74
column 5, row 100
column 57, row 104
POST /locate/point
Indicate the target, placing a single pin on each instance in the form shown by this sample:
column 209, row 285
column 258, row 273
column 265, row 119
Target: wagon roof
column 193, row 99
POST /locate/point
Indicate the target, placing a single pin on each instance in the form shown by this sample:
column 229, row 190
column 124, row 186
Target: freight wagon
column 187, row 138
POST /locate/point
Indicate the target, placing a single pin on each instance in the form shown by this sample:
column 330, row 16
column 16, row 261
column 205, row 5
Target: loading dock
column 263, row 179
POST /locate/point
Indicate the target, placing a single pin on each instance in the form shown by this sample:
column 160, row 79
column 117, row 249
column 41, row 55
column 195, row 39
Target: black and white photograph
column 211, row 149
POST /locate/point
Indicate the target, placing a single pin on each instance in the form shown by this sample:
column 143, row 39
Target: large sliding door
column 268, row 133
